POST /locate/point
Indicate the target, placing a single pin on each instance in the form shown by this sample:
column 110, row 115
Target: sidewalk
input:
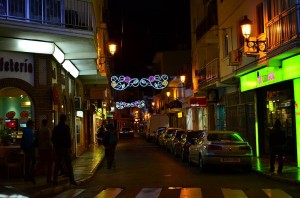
column 86, row 165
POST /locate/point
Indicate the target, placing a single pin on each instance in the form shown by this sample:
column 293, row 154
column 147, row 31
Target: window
column 260, row 18
column 226, row 43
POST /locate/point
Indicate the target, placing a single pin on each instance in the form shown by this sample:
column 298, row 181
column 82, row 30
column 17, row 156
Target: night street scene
column 149, row 99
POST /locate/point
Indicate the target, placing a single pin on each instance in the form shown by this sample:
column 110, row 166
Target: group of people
column 53, row 148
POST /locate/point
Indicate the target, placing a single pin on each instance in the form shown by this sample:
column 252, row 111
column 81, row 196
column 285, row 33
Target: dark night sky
column 148, row 26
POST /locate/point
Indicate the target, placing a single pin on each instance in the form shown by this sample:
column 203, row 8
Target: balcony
column 209, row 74
column 283, row 33
column 69, row 24
column 75, row 14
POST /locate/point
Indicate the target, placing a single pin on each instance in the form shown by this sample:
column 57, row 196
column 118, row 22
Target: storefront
column 277, row 97
column 37, row 87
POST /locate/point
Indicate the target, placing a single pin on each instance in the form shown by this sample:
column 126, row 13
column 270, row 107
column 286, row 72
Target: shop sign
column 17, row 65
column 198, row 102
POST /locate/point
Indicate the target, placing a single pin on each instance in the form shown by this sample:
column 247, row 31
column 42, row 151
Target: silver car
column 221, row 148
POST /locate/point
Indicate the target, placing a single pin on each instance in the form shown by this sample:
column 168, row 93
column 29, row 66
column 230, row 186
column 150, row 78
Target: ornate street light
column 259, row 45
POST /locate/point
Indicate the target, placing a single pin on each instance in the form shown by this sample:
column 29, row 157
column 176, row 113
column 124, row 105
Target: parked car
column 126, row 132
column 173, row 140
column 158, row 133
column 166, row 134
column 187, row 139
column 221, row 148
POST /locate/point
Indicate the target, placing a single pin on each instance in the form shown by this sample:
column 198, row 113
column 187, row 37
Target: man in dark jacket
column 277, row 140
column 61, row 140
column 110, row 141
column 27, row 144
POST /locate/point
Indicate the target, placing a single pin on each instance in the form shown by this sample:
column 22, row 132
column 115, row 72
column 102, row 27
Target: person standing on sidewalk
column 28, row 146
column 277, row 140
column 45, row 148
column 110, row 140
column 61, row 140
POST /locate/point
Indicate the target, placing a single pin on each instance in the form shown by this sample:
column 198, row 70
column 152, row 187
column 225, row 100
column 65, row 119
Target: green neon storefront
column 290, row 70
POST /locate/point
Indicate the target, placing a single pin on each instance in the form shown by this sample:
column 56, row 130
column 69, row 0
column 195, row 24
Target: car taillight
column 213, row 147
column 245, row 148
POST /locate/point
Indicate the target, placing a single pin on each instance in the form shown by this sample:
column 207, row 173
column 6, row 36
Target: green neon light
column 256, row 127
column 297, row 117
column 289, row 70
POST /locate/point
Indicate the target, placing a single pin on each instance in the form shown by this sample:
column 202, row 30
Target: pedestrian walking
column 277, row 140
column 110, row 141
column 28, row 147
column 61, row 140
column 45, row 149
column 100, row 134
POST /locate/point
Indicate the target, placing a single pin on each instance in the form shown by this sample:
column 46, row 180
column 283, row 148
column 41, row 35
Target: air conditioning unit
column 77, row 102
column 235, row 57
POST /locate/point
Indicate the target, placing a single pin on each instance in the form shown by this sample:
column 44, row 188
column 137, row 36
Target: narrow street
column 146, row 170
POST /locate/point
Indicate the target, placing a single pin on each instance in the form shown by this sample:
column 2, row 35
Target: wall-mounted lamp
column 182, row 78
column 259, row 45
column 112, row 50
column 168, row 94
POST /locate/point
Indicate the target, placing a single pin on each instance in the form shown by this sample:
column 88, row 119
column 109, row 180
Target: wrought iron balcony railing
column 65, row 13
column 283, row 28
column 209, row 73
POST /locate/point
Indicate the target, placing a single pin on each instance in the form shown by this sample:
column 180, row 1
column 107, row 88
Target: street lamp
column 112, row 48
column 259, row 45
column 182, row 79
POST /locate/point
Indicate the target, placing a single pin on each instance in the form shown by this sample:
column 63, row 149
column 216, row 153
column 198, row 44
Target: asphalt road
column 144, row 170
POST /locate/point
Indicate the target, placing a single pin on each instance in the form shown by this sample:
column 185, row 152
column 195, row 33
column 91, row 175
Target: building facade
column 49, row 65
column 256, row 74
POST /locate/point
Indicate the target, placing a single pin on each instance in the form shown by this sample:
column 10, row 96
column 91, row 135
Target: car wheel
column 202, row 166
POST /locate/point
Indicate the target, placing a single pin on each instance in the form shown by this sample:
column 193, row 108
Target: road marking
column 276, row 193
column 70, row 193
column 149, row 192
column 109, row 192
column 229, row 193
column 190, row 192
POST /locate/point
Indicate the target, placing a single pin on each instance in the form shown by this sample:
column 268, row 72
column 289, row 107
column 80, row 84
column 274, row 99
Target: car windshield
column 192, row 136
column 224, row 137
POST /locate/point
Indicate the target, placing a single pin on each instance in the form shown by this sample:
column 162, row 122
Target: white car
column 221, row 148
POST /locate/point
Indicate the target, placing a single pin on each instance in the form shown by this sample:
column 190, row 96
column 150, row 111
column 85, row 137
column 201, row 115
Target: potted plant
column 5, row 135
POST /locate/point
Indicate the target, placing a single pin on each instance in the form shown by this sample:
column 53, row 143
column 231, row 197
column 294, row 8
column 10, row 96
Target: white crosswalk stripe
column 70, row 193
column 182, row 193
column 149, row 192
column 109, row 192
column 276, row 193
column 228, row 193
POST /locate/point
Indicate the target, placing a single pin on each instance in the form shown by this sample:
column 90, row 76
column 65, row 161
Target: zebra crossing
column 182, row 193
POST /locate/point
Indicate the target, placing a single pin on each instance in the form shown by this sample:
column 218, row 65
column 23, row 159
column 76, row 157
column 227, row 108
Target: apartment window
column 3, row 7
column 276, row 7
column 260, row 18
column 226, row 47
column 16, row 8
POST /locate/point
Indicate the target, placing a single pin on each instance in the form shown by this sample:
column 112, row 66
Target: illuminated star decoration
column 123, row 82
column 122, row 105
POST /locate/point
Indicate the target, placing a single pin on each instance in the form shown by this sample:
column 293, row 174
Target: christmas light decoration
column 123, row 82
column 122, row 105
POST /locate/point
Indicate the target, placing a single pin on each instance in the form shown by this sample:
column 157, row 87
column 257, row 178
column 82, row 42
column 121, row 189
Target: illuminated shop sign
column 198, row 102
column 11, row 65
column 290, row 69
